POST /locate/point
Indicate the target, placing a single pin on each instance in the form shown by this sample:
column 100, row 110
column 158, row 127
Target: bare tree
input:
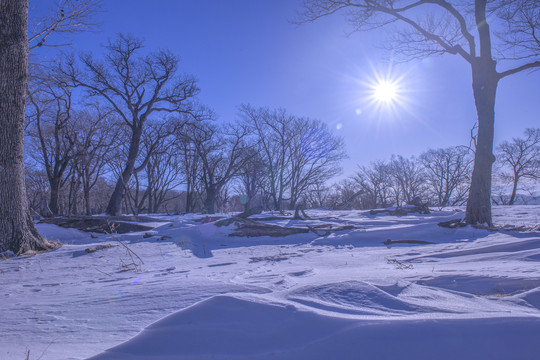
column 135, row 87
column 50, row 124
column 316, row 154
column 375, row 184
column 448, row 174
column 164, row 174
column 65, row 17
column 440, row 27
column 17, row 230
column 153, row 145
column 252, row 177
column 93, row 143
column 72, row 195
column 345, row 195
column 222, row 153
column 191, row 164
column 522, row 157
column 298, row 152
column 317, row 195
column 37, row 189
column 408, row 179
column 136, row 193
column 273, row 131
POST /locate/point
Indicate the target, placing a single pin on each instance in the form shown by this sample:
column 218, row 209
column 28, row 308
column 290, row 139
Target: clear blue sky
column 247, row 51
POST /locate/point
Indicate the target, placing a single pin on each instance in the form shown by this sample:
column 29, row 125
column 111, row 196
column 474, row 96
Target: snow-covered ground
column 200, row 294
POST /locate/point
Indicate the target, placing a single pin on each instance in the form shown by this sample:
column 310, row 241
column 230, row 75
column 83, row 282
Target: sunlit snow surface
column 475, row 294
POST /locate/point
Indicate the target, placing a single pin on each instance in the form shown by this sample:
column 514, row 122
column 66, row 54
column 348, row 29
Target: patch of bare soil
column 103, row 224
column 252, row 228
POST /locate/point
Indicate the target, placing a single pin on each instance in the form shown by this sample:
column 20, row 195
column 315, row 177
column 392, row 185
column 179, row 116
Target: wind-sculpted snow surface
column 229, row 328
column 473, row 294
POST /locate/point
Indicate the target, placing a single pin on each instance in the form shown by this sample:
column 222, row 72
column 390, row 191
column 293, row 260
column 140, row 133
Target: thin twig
column 103, row 272
column 129, row 250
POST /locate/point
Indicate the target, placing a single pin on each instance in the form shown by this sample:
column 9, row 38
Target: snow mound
column 225, row 327
column 472, row 294
column 351, row 297
column 65, row 235
column 483, row 285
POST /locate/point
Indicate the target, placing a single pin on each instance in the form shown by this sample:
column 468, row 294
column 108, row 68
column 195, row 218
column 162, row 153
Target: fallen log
column 99, row 247
column 209, row 219
column 452, row 224
column 102, row 224
column 401, row 211
column 249, row 212
column 254, row 228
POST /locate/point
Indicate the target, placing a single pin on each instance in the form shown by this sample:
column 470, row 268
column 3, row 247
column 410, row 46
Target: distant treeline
column 267, row 159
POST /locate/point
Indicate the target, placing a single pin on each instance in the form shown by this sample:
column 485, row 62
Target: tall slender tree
column 50, row 126
column 17, row 230
column 93, row 147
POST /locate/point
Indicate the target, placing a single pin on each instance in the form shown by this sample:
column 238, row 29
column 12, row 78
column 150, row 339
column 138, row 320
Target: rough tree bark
column 514, row 190
column 52, row 110
column 485, row 79
column 115, row 203
column 210, row 200
column 17, row 230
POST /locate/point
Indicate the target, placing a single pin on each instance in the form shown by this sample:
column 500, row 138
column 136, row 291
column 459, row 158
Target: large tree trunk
column 151, row 203
column 115, row 203
column 74, row 186
column 514, row 190
column 210, row 201
column 53, row 201
column 292, row 204
column 17, row 230
column 485, row 81
column 86, row 191
column 189, row 198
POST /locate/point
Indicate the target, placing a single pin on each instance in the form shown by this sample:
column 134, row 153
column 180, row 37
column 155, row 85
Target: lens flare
column 386, row 95
column 385, row 92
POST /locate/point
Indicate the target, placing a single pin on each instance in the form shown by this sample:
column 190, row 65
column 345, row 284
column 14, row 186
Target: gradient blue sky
column 246, row 51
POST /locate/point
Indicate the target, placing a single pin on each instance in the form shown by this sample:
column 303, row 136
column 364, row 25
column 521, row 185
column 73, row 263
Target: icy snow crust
column 474, row 294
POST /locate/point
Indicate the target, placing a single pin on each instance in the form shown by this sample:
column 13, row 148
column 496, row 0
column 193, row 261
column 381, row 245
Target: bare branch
column 519, row 68
column 69, row 16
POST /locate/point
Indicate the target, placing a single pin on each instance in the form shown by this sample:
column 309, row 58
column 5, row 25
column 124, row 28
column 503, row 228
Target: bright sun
column 385, row 92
